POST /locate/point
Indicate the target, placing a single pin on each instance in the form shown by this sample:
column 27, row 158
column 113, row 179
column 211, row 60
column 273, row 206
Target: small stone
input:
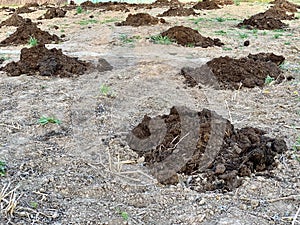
column 220, row 168
column 243, row 207
column 202, row 202
column 254, row 204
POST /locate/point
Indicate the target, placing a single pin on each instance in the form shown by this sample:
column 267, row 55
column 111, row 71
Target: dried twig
column 296, row 216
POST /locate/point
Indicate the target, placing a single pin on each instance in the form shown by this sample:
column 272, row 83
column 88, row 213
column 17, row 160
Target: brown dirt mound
column 140, row 19
column 179, row 12
column 53, row 13
column 203, row 143
column 26, row 8
column 207, row 5
column 108, row 6
column 279, row 14
column 187, row 36
column 15, row 20
column 166, row 3
column 224, row 2
column 45, row 62
column 23, row 34
column 225, row 72
column 286, row 5
column 263, row 22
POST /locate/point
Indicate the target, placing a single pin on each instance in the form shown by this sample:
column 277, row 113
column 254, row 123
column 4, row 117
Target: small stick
column 291, row 197
column 296, row 216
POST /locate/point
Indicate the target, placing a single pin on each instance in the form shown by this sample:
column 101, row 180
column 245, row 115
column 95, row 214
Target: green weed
column 45, row 120
column 197, row 20
column 163, row 40
column 3, row 168
column 123, row 214
column 276, row 36
column 34, row 205
column 254, row 31
column 269, row 80
column 190, row 45
column 111, row 20
column 79, row 10
column 264, row 33
column 33, row 41
column 227, row 49
column 220, row 19
column 221, row 32
column 106, row 91
column 125, row 39
column 243, row 35
column 237, row 2
column 86, row 22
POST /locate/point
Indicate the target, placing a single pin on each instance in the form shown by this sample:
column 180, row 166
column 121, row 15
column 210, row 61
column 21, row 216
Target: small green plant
column 86, row 22
column 3, row 168
column 34, row 205
column 197, row 20
column 33, row 41
column 264, row 33
column 163, row 40
column 79, row 10
column 297, row 144
column 106, row 91
column 276, row 36
column 221, row 32
column 3, row 58
column 190, row 45
column 109, row 20
column 125, row 39
column 123, row 214
column 45, row 120
column 255, row 31
column 269, row 80
column 227, row 49
column 220, row 19
column 237, row 2
column 243, row 35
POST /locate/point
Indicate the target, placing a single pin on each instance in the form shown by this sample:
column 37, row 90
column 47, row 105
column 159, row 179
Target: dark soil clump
column 22, row 35
column 207, row 5
column 15, row 20
column 224, row 2
column 229, row 73
column 45, row 62
column 53, row 13
column 263, row 22
column 26, row 8
column 140, row 19
column 108, row 6
column 203, row 144
column 187, row 36
column 270, row 19
column 166, row 3
column 179, row 12
column 286, row 5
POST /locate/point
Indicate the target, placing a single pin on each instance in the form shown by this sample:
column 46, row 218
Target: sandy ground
column 83, row 172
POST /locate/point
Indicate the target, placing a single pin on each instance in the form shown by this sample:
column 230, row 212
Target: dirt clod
column 15, row 20
column 179, row 12
column 140, row 19
column 229, row 73
column 204, row 143
column 53, row 13
column 270, row 19
column 207, row 5
column 22, row 35
column 45, row 62
column 187, row 36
